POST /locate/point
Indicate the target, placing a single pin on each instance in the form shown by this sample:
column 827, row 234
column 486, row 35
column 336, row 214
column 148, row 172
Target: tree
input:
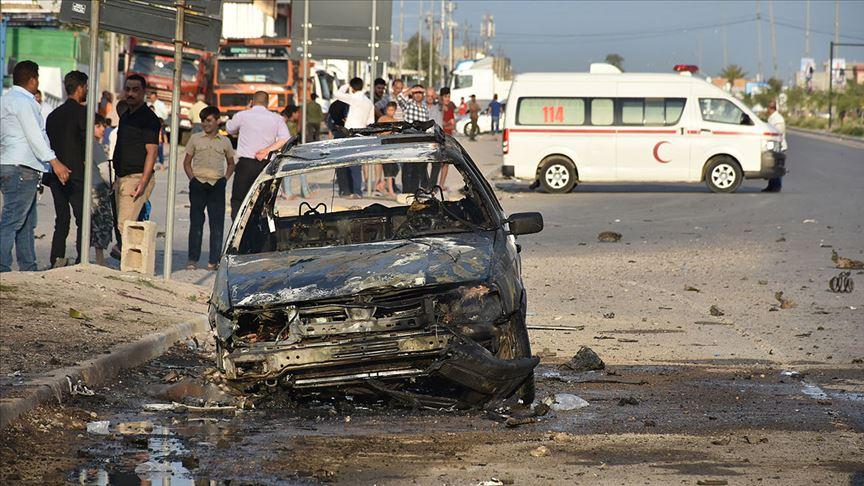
column 732, row 72
column 775, row 86
column 409, row 59
column 615, row 60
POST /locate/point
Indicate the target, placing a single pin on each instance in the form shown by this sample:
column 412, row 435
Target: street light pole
column 305, row 61
column 92, row 88
column 370, row 184
column 175, row 137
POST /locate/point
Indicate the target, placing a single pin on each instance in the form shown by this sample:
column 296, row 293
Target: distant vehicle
column 155, row 61
column 605, row 126
column 478, row 78
column 244, row 66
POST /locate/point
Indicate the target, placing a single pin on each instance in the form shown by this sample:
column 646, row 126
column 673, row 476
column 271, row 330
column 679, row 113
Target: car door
column 724, row 128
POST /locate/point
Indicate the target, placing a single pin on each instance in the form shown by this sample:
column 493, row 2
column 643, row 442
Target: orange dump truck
column 244, row 66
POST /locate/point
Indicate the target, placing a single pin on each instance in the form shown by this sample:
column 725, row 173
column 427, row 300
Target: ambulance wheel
column 723, row 174
column 557, row 175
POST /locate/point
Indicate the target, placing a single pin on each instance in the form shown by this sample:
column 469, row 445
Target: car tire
column 723, row 174
column 514, row 343
column 471, row 130
column 557, row 175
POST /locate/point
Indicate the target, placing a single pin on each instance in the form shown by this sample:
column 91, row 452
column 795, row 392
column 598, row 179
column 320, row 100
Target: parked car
column 420, row 298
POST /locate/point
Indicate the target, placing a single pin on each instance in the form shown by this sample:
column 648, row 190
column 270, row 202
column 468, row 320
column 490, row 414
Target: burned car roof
column 398, row 148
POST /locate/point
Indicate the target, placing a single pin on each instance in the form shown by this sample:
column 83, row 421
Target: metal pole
column 370, row 184
column 830, row 84
column 401, row 32
column 305, row 61
column 92, row 87
column 450, row 24
column 420, row 41
column 175, row 136
column 431, row 43
column 807, row 32
column 758, row 43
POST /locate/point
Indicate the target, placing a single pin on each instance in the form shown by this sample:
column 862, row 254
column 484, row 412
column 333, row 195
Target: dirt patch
column 62, row 317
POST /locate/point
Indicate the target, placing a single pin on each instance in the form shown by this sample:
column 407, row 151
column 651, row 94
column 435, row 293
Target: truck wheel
column 723, row 174
column 513, row 343
column 557, row 175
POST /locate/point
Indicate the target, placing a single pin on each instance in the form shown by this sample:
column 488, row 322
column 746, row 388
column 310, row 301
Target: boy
column 209, row 163
column 386, row 184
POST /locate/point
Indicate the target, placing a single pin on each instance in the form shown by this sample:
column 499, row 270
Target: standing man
column 396, row 89
column 195, row 114
column 474, row 112
column 259, row 131
column 314, row 118
column 208, row 164
column 25, row 154
column 495, row 112
column 67, row 130
column 414, row 175
column 134, row 155
column 445, row 109
column 361, row 113
column 776, row 120
column 161, row 111
column 379, row 92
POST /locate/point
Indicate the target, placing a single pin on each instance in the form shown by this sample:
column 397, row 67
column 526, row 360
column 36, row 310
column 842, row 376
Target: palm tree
column 615, row 60
column 731, row 73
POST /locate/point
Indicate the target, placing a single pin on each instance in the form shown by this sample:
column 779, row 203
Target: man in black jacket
column 66, row 127
column 335, row 121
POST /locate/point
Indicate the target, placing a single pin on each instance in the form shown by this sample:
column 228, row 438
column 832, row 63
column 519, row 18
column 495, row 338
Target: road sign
column 152, row 20
column 341, row 30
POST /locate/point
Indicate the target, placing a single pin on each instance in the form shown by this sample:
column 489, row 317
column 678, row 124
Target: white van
column 605, row 126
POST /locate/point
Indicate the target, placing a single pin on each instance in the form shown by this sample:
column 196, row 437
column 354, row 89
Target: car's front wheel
column 557, row 175
column 723, row 174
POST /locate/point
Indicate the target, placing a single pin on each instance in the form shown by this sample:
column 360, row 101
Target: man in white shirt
column 361, row 113
column 25, row 154
column 776, row 120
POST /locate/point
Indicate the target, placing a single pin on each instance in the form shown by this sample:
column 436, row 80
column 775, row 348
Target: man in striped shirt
column 414, row 176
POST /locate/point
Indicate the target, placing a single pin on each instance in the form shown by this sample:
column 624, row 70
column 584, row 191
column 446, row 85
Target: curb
column 807, row 131
column 97, row 371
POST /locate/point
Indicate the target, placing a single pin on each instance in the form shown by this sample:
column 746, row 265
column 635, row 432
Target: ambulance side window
column 720, row 111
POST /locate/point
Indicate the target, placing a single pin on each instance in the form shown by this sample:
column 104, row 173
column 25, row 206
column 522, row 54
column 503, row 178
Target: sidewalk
column 64, row 317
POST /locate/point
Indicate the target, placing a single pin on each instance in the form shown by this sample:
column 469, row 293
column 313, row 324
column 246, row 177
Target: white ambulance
column 606, row 126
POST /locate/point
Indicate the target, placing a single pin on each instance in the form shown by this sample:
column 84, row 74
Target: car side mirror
column 745, row 119
column 525, row 223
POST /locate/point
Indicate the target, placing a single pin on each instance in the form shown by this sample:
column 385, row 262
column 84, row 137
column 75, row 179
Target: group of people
column 36, row 151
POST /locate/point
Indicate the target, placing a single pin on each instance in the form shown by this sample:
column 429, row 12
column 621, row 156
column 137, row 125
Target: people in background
column 379, row 91
column 776, row 120
column 259, row 132
column 414, row 176
column 195, row 113
column 387, row 177
column 102, row 222
column 336, row 116
column 396, row 88
column 25, row 154
column 292, row 118
column 134, row 157
column 474, row 113
column 448, row 124
column 361, row 113
column 314, row 117
column 495, row 113
column 463, row 107
column 208, row 164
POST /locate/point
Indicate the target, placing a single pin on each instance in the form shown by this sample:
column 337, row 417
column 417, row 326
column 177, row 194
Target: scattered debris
column 649, row 423
column 609, row 237
column 691, row 289
column 517, row 421
column 78, row 388
column 627, row 340
column 763, row 282
column 171, row 376
column 585, row 360
column 716, row 482
column 804, row 334
column 842, row 283
column 491, row 482
column 846, row 263
column 784, row 302
column 604, row 337
column 179, row 407
column 628, row 401
column 806, row 221
column 135, row 428
column 158, row 407
column 722, row 441
column 541, row 451
column 556, row 328
column 564, row 402
column 716, row 311
column 780, row 240
column 541, row 409
column 609, row 315
column 76, row 314
column 99, row 427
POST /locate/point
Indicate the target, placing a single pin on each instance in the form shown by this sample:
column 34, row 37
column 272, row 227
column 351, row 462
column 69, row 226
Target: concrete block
column 139, row 247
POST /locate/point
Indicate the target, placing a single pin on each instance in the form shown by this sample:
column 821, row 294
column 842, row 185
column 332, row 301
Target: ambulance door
column 652, row 141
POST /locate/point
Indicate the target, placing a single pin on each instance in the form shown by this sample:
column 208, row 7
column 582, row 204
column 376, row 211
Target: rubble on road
column 716, row 311
column 609, row 237
column 846, row 263
column 785, row 303
column 585, row 360
column 564, row 402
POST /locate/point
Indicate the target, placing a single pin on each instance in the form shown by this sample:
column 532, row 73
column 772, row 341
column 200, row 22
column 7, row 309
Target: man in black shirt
column 135, row 153
column 335, row 121
column 66, row 127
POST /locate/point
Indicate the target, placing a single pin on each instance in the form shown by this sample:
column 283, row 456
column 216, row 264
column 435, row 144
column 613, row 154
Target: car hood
column 305, row 274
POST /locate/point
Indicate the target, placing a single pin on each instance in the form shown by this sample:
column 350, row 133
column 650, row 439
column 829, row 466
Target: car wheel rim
column 723, row 176
column 557, row 176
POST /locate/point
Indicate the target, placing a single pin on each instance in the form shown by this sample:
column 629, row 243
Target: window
column 463, row 81
column 602, row 111
column 551, row 111
column 651, row 111
column 720, row 111
column 632, row 111
column 674, row 109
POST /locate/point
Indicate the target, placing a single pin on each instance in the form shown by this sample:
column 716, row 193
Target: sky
column 653, row 36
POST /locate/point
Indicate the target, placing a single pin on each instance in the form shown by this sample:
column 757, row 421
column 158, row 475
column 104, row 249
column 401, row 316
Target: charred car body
column 358, row 293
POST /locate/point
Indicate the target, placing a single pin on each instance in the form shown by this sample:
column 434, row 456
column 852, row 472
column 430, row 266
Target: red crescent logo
column 657, row 156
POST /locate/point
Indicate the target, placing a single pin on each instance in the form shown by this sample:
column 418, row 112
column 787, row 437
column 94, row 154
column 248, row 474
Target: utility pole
column 807, row 30
column 758, row 43
column 431, row 18
column 837, row 23
column 92, row 87
column 773, row 39
column 725, row 42
column 450, row 25
column 420, row 40
column 175, row 137
column 442, row 69
column 401, row 33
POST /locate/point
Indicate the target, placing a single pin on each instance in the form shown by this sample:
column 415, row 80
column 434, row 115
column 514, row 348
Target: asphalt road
column 762, row 393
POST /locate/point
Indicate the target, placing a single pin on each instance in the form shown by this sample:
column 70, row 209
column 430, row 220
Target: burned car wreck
column 396, row 298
